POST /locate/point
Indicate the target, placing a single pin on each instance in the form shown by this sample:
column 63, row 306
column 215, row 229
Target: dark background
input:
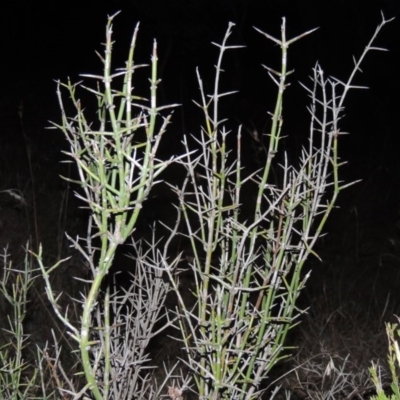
column 44, row 41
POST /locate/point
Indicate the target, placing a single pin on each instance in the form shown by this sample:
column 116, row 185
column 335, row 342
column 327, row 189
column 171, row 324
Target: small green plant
column 17, row 377
column 393, row 334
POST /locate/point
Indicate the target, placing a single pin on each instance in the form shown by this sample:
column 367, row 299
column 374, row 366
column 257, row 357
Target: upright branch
column 116, row 159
